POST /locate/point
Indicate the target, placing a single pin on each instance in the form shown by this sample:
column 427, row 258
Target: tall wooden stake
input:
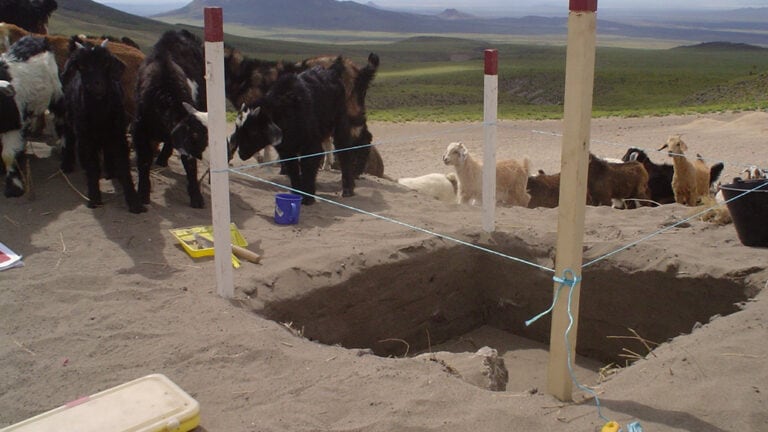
column 217, row 122
column 490, row 110
column 579, row 81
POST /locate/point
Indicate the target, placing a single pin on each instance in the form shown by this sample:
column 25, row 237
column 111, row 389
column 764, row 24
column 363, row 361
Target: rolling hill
column 348, row 15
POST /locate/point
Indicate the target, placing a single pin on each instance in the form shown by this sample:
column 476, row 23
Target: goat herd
column 627, row 183
column 102, row 91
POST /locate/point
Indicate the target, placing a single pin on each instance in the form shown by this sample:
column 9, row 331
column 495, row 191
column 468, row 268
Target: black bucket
column 749, row 212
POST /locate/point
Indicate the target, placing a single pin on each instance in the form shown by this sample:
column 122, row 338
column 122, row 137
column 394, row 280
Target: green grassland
column 441, row 78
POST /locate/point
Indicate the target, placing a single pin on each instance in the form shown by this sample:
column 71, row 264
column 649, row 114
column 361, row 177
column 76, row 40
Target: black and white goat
column 29, row 79
column 296, row 115
column 96, row 119
column 170, row 89
column 31, row 15
column 659, row 175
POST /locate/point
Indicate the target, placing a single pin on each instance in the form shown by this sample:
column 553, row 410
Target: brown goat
column 544, row 190
column 608, row 181
column 690, row 180
column 129, row 55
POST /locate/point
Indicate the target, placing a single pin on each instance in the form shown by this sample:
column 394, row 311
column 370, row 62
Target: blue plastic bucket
column 287, row 208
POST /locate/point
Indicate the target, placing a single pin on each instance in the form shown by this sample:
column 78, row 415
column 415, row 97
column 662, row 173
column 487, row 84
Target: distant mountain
column 349, row 15
column 453, row 14
column 146, row 9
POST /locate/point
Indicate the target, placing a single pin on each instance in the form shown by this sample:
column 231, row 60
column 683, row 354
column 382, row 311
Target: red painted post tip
column 583, row 6
column 214, row 24
column 491, row 62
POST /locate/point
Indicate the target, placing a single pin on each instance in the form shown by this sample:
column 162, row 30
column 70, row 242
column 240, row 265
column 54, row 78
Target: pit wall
column 436, row 294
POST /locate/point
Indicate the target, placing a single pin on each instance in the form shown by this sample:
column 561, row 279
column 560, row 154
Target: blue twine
column 397, row 222
column 634, row 427
column 408, row 139
column 562, row 281
column 571, row 281
column 649, row 236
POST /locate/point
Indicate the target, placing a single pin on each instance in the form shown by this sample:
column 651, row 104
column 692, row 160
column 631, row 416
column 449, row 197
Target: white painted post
column 490, row 109
column 579, row 82
column 217, row 122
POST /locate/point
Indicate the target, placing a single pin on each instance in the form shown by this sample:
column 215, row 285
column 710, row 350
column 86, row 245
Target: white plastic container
column 149, row 404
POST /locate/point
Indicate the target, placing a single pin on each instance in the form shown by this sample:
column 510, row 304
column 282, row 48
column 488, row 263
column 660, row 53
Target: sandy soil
column 322, row 333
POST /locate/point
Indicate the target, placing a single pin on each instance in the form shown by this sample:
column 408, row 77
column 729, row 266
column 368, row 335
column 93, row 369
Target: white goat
column 690, row 180
column 439, row 186
column 511, row 177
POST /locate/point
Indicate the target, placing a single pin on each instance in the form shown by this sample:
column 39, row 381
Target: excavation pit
column 432, row 295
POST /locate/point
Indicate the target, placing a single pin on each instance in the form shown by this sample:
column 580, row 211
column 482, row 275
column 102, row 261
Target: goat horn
column 79, row 45
column 104, row 44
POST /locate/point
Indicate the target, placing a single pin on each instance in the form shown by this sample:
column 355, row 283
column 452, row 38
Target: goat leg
column 309, row 168
column 193, row 186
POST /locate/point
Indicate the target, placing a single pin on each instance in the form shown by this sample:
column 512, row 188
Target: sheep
column 246, row 80
column 30, row 81
column 659, row 176
column 31, row 15
column 439, row 186
column 296, row 115
column 511, row 177
column 544, row 190
column 690, row 181
column 96, row 120
column 170, row 94
column 608, row 181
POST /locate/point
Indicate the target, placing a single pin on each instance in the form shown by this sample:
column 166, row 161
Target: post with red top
column 490, row 110
column 217, row 122
column 579, row 82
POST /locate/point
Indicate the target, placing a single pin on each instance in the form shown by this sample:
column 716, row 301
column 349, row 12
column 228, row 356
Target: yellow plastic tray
column 149, row 404
column 186, row 237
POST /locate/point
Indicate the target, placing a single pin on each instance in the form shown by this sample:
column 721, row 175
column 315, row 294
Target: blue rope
column 407, row 139
column 649, row 236
column 412, row 227
column 571, row 279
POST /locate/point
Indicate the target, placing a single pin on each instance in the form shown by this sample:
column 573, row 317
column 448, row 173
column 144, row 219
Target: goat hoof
column 67, row 167
column 307, row 200
column 137, row 209
column 347, row 193
column 197, row 202
column 13, row 191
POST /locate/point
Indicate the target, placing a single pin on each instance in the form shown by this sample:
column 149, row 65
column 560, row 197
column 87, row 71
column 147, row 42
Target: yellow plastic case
column 186, row 236
column 149, row 404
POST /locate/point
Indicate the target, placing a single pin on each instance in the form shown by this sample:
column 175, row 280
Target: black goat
column 659, row 175
column 31, row 15
column 29, row 79
column 169, row 77
column 96, row 120
column 248, row 79
column 296, row 115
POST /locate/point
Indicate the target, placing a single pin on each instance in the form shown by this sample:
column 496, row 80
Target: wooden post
column 579, row 82
column 217, row 122
column 490, row 110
